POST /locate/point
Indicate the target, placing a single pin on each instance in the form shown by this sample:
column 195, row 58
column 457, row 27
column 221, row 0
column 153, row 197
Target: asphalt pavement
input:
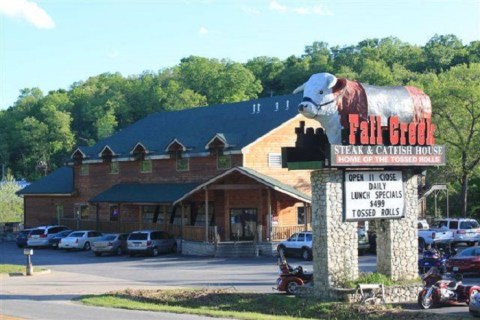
column 48, row 295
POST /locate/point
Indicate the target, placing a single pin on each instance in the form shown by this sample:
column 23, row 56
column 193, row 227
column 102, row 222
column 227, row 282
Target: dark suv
column 150, row 242
column 22, row 238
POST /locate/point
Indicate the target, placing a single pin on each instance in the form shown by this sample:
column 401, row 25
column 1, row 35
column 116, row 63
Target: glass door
column 243, row 223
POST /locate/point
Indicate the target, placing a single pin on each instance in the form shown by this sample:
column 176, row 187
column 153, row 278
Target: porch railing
column 284, row 232
column 109, row 226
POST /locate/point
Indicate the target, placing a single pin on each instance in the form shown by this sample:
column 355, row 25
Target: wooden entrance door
column 243, row 223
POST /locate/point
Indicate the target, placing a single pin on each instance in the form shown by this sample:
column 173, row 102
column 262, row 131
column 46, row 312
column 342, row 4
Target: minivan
column 150, row 242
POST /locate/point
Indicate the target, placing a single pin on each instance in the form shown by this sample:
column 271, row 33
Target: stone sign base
column 335, row 242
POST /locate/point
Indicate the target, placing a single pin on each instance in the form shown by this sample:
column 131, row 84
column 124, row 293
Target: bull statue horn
column 299, row 89
column 331, row 80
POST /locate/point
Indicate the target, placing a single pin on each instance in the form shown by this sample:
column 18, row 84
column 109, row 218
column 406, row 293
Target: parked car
column 57, row 237
column 467, row 260
column 82, row 239
column 299, row 243
column 40, row 236
column 363, row 241
column 464, row 230
column 433, row 236
column 150, row 242
column 115, row 243
column 22, row 237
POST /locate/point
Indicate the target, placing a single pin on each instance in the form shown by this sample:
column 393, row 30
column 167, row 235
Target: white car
column 82, row 240
column 464, row 230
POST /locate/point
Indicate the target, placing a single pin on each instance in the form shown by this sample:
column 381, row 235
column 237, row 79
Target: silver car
column 150, row 242
column 114, row 243
column 40, row 236
column 79, row 240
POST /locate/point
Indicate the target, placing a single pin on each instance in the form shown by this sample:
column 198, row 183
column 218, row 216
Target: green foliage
column 11, row 205
column 43, row 129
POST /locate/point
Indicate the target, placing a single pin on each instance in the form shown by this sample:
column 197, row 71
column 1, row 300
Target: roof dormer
column 78, row 156
column 107, row 154
column 176, row 148
column 217, row 144
column 139, row 151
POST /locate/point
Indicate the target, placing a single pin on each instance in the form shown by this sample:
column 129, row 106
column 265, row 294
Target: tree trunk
column 463, row 195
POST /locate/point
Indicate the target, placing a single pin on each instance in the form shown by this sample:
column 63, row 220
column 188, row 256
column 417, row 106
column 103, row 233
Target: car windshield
column 110, row 237
column 471, row 224
column 466, row 252
column 37, row 231
column 76, row 234
column 63, row 234
column 138, row 236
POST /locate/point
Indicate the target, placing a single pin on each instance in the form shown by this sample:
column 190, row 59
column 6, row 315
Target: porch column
column 182, row 214
column 206, row 214
column 305, row 216
column 269, row 218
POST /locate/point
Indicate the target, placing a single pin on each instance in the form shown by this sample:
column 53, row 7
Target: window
column 148, row 213
column 301, row 215
column 182, row 163
column 454, row 225
column 84, row 170
column 301, row 237
column 81, row 211
column 114, row 213
column 224, row 161
column 146, row 166
column 274, row 160
column 114, row 167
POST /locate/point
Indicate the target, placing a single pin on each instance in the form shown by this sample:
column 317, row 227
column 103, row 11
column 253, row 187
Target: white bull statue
column 330, row 100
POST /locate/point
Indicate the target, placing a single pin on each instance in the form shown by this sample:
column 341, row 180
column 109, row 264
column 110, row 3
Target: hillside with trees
column 40, row 130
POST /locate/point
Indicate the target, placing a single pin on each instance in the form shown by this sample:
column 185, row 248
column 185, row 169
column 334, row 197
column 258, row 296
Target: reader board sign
column 373, row 195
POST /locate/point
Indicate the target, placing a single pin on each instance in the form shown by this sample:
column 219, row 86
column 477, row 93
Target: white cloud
column 202, row 31
column 301, row 10
column 28, row 11
column 322, row 10
column 275, row 6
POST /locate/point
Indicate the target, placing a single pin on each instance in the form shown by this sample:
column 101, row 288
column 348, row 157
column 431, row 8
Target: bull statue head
column 319, row 103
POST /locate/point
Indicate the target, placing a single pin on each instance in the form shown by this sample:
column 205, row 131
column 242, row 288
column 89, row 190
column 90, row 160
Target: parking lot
column 81, row 272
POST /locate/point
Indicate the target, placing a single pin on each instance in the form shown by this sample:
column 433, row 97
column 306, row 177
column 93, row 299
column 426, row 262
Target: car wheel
column 281, row 251
column 119, row 251
column 306, row 254
column 98, row 254
column 174, row 248
column 86, row 246
column 155, row 252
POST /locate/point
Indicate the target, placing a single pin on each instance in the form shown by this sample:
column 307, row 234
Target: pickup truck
column 428, row 236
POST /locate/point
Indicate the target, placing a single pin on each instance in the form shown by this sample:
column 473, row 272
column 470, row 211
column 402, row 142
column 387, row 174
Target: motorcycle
column 291, row 278
column 438, row 291
column 433, row 258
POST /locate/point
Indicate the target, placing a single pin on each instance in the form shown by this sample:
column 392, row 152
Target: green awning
column 144, row 193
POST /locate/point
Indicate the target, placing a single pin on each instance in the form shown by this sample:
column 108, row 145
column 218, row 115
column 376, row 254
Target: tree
column 444, row 51
column 455, row 98
column 267, row 71
column 11, row 205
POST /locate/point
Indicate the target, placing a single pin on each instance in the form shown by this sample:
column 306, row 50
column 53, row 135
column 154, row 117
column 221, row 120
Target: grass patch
column 15, row 268
column 248, row 306
column 377, row 278
column 11, row 268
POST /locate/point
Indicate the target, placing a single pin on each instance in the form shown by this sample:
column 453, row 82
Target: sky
column 50, row 44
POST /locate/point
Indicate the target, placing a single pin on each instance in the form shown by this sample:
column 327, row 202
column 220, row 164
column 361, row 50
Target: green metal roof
column 59, row 182
column 238, row 123
column 144, row 193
